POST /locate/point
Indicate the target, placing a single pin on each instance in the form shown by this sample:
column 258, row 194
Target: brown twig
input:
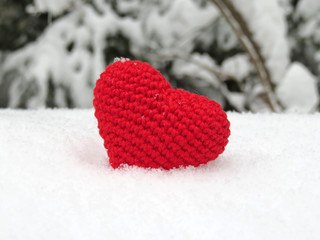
column 239, row 26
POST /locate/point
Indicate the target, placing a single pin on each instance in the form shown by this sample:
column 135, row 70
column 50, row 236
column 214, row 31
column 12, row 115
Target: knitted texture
column 144, row 122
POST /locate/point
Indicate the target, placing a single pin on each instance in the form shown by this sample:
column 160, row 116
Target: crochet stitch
column 144, row 122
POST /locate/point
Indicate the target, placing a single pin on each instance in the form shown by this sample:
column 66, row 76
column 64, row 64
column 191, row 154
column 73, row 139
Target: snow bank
column 56, row 183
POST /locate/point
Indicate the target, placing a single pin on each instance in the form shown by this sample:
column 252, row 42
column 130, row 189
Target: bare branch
column 245, row 37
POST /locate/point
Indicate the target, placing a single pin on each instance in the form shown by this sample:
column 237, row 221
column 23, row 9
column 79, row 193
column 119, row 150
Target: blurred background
column 249, row 55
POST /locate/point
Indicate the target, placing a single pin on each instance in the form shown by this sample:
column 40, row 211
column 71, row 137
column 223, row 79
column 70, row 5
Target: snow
column 74, row 70
column 182, row 38
column 238, row 66
column 56, row 183
column 176, row 28
column 196, row 67
column 266, row 21
column 308, row 10
column 54, row 7
column 237, row 100
column 298, row 90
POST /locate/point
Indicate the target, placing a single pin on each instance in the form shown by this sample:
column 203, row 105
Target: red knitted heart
column 144, row 122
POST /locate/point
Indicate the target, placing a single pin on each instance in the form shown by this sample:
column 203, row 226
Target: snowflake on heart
column 144, row 122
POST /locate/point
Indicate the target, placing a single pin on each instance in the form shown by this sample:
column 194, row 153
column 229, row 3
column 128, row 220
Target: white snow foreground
column 55, row 183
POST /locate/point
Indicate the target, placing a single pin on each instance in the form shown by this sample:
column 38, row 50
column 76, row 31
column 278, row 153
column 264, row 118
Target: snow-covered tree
column 242, row 53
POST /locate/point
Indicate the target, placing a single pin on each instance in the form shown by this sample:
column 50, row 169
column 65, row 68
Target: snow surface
column 56, row 183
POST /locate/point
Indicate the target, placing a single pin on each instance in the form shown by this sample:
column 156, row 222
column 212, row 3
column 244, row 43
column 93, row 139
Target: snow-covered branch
column 247, row 41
